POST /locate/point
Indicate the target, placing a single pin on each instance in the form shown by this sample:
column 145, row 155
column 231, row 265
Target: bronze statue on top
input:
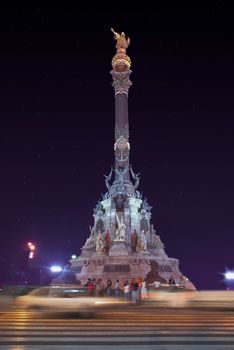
column 122, row 42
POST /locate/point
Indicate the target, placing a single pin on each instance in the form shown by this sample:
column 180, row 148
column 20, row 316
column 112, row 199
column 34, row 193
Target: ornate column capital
column 121, row 81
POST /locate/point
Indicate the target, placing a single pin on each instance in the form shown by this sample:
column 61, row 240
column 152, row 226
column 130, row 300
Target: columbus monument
column 123, row 243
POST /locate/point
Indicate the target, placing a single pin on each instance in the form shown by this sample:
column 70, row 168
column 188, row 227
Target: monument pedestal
column 99, row 254
column 87, row 251
column 143, row 253
column 118, row 248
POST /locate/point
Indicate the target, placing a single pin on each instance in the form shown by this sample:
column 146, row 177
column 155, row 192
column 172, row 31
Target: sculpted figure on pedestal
column 108, row 241
column 99, row 223
column 136, row 178
column 155, row 239
column 120, row 232
column 108, row 178
column 99, row 243
column 122, row 42
column 91, row 239
column 158, row 242
column 134, row 241
column 120, row 172
column 143, row 242
column 144, row 222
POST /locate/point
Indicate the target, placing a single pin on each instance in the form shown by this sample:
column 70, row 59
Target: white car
column 217, row 299
column 65, row 299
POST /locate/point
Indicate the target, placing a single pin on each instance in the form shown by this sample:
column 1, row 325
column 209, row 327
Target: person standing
column 126, row 291
column 109, row 289
column 91, row 288
column 171, row 281
column 117, row 289
column 139, row 282
column 99, row 288
column 134, row 290
column 143, row 290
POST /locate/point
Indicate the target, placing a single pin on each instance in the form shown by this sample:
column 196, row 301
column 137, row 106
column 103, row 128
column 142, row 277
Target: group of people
column 134, row 291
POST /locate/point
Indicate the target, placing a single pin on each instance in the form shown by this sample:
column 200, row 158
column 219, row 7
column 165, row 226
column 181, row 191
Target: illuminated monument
column 123, row 243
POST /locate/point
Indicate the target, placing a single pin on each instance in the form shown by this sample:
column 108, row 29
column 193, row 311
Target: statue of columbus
column 122, row 42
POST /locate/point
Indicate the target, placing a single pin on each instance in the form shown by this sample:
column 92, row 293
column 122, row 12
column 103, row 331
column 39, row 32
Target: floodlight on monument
column 56, row 268
column 74, row 256
column 229, row 275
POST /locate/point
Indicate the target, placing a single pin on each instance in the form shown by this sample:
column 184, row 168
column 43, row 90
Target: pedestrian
column 109, row 290
column 87, row 282
column 139, row 282
column 134, row 290
column 117, row 289
column 143, row 290
column 126, row 291
column 156, row 284
column 171, row 281
column 99, row 288
column 91, row 288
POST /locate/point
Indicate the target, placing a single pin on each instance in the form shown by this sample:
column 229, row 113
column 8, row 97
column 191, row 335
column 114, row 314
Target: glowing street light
column 32, row 249
column 229, row 275
column 31, row 255
column 56, row 268
column 74, row 256
column 31, row 265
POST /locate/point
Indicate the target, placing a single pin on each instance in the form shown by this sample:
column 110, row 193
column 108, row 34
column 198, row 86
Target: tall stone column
column 120, row 73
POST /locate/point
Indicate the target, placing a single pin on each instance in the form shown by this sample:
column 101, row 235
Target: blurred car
column 5, row 302
column 218, row 299
column 170, row 297
column 65, row 299
column 175, row 297
column 8, row 294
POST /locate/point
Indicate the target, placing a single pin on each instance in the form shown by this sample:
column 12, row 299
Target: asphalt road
column 134, row 327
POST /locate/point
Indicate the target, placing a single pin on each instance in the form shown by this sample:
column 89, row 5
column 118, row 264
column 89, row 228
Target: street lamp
column 229, row 279
column 229, row 275
column 32, row 249
column 31, row 267
column 56, row 268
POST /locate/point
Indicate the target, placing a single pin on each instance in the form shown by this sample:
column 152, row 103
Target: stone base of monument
column 143, row 253
column 157, row 252
column 118, row 248
column 122, row 265
column 99, row 254
column 87, row 251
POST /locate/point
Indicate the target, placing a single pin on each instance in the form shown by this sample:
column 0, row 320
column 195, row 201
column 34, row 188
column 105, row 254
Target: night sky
column 57, row 129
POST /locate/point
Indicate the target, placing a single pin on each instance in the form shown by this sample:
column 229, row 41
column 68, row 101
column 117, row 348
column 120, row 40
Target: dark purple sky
column 57, row 129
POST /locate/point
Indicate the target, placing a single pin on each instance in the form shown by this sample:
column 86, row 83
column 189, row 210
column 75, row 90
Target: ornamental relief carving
column 134, row 261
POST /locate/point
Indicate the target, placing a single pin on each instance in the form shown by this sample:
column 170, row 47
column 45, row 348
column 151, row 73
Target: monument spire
column 123, row 243
column 121, row 63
